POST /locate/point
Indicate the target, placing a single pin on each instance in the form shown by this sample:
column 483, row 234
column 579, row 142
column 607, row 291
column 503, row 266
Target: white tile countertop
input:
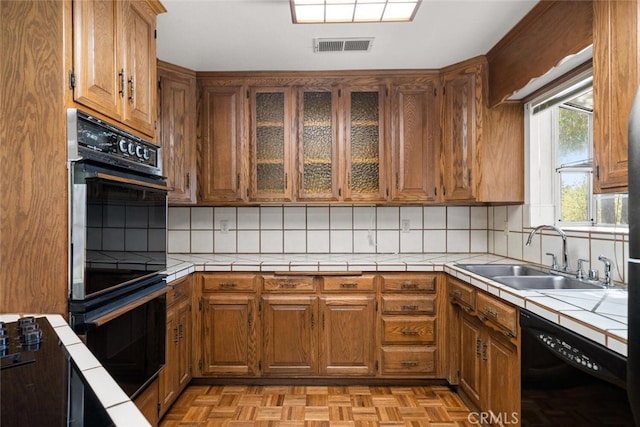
column 600, row 315
column 121, row 409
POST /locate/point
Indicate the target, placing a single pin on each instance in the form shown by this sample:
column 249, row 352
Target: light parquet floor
column 318, row 406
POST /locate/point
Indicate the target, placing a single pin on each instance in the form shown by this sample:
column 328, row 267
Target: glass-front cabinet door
column 271, row 144
column 363, row 140
column 317, row 144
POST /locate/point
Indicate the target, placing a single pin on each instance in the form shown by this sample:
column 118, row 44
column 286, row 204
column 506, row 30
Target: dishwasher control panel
column 569, row 353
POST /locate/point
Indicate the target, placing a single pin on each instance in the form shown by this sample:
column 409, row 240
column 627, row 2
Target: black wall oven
column 118, row 218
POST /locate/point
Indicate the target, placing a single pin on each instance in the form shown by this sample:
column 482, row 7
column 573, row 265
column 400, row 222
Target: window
column 560, row 138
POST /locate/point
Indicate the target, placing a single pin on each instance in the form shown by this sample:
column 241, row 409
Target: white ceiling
column 258, row 35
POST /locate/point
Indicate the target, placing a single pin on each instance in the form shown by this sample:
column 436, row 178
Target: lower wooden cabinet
column 147, row 403
column 176, row 373
column 486, row 339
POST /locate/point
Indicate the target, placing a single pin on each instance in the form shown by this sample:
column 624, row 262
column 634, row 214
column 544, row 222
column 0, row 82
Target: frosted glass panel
column 270, row 143
column 317, row 143
column 365, row 142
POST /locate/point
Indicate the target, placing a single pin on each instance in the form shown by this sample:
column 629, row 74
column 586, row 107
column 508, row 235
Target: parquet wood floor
column 318, row 406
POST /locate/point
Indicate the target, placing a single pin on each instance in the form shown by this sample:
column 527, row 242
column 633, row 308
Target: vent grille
column 343, row 45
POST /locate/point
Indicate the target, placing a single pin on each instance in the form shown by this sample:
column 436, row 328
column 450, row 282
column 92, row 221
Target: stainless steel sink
column 545, row 282
column 493, row 270
column 525, row 277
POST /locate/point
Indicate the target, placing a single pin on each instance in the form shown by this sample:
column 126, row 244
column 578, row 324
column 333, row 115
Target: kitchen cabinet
column 271, row 147
column 147, row 403
column 415, row 140
column 486, row 338
column 615, row 80
column 482, row 148
column 222, row 160
column 177, row 131
column 408, row 325
column 228, row 325
column 114, row 60
column 176, row 373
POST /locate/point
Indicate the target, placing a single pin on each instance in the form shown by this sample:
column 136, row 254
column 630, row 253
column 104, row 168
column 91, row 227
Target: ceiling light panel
column 332, row 11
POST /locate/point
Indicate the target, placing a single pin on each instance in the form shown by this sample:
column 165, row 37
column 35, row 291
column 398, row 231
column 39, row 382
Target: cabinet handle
column 508, row 333
column 484, row 351
column 188, row 181
column 287, row 285
column 408, row 332
column 228, row 285
column 349, row 180
column 121, row 75
column 323, row 321
column 250, row 319
column 175, row 335
column 491, row 311
column 286, row 180
column 478, row 347
column 456, row 293
column 348, row 285
column 313, row 320
column 131, row 85
column 397, row 180
column 409, row 285
column 409, row 363
column 177, row 294
column 409, row 307
column 180, row 333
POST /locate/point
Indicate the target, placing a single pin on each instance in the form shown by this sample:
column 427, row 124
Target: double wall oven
column 118, row 217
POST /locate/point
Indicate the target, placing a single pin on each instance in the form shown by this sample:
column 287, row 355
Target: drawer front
column 178, row 290
column 404, row 360
column 415, row 304
column 497, row 312
column 408, row 330
column 461, row 293
column 229, row 283
column 364, row 283
column 289, row 284
column 407, row 282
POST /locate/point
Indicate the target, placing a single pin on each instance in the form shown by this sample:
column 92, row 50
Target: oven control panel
column 18, row 342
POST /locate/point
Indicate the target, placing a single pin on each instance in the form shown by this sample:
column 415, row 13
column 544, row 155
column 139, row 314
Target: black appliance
column 40, row 383
column 118, row 221
column 633, row 340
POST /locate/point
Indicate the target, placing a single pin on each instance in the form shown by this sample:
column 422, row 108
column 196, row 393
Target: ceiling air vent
column 343, row 45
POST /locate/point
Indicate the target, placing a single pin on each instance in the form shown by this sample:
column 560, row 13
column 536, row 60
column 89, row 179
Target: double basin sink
column 524, row 277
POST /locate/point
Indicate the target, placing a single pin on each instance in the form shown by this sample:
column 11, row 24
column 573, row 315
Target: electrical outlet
column 406, row 225
column 224, row 226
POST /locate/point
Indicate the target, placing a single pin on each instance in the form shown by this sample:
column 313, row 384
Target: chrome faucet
column 607, row 270
column 565, row 255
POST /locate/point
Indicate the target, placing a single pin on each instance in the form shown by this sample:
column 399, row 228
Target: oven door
column 118, row 229
column 126, row 334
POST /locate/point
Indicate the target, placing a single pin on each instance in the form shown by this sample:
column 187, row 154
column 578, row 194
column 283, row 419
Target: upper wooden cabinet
column 615, row 80
column 482, row 148
column 222, row 162
column 415, row 140
column 177, row 131
column 114, row 60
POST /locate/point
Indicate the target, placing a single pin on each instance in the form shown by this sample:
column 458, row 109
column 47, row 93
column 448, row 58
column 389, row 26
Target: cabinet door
column 461, row 117
column 290, row 335
column 347, row 337
column 229, row 337
column 97, row 65
column 177, row 133
column 140, row 45
column 415, row 142
column 271, row 165
column 363, row 144
column 168, row 376
column 220, row 174
column 470, row 356
column 183, row 371
column 502, row 374
column 317, row 145
column 615, row 80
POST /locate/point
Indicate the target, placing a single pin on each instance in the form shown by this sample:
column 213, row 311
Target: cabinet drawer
column 408, row 360
column 348, row 283
column 461, row 293
column 178, row 290
column 409, row 282
column 404, row 304
column 229, row 282
column 289, row 283
column 408, row 330
column 497, row 312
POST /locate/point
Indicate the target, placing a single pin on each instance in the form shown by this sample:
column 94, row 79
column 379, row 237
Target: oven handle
column 120, row 179
column 99, row 321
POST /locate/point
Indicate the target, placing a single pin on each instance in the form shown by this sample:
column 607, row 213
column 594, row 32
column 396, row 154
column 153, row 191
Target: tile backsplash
column 385, row 229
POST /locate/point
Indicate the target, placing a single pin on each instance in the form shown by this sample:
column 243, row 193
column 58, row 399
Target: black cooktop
column 37, row 377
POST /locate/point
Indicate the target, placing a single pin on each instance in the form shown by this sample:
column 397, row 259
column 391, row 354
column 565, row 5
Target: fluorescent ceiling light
column 325, row 11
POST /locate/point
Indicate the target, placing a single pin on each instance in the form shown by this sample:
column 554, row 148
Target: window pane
column 573, row 144
column 612, row 208
column 574, row 196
